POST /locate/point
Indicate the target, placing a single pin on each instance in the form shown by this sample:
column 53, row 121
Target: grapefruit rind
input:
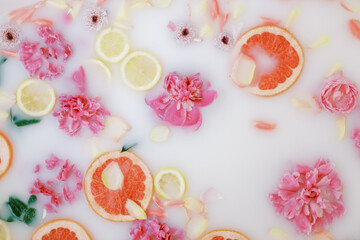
column 80, row 231
column 145, row 202
column 293, row 42
column 6, row 154
column 227, row 234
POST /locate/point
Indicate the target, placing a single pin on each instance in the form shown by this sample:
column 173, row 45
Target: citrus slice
column 61, row 229
column 35, row 97
column 140, row 70
column 278, row 43
column 224, row 235
column 137, row 186
column 170, row 184
column 102, row 66
column 112, row 44
column 4, row 231
column 5, row 154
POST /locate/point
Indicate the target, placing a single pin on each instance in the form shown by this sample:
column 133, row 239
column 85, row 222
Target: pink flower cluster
column 77, row 111
column 46, row 60
column 68, row 174
column 153, row 229
column 355, row 135
column 180, row 106
column 339, row 95
column 310, row 196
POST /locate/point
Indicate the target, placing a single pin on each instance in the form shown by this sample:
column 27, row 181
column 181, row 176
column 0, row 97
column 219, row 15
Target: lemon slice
column 112, row 44
column 170, row 184
column 4, row 231
column 102, row 66
column 35, row 97
column 140, row 70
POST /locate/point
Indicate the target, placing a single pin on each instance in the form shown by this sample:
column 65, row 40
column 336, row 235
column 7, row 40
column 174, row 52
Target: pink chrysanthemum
column 153, row 229
column 310, row 196
column 74, row 112
column 224, row 41
column 180, row 106
column 95, row 18
column 185, row 33
column 46, row 60
column 10, row 36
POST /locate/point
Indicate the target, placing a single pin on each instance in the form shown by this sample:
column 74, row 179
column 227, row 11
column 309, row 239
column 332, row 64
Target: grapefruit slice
column 224, row 235
column 61, row 229
column 5, row 154
column 278, row 43
column 137, row 186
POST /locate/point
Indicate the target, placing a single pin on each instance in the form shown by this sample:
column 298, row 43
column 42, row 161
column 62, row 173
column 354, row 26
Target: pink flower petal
column 172, row 26
column 79, row 78
column 264, row 125
column 9, row 53
column 42, row 22
column 26, row 16
column 355, row 27
column 214, row 9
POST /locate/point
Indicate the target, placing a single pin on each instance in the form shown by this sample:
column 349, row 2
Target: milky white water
column 227, row 152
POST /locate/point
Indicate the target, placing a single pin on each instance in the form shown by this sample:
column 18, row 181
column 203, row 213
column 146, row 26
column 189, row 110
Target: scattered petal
column 123, row 12
column 264, row 125
column 172, row 26
column 243, row 70
column 37, row 168
column 135, row 210
column 156, row 212
column 100, row 2
column 214, row 9
column 26, row 16
column 355, row 27
column 341, row 122
column 79, row 78
column 43, row 216
column 57, row 4
column 160, row 3
column 160, row 133
column 196, row 226
column 42, row 22
column 210, row 196
column 294, row 14
column 7, row 100
column 140, row 4
column 322, row 235
column 351, row 5
column 334, row 69
column 112, row 176
column 3, row 116
column 278, row 234
column 75, row 8
column 237, row 11
column 14, row 15
column 270, row 21
column 206, row 31
column 202, row 7
column 223, row 20
column 158, row 202
column 194, row 205
column 116, row 128
column 320, row 42
column 174, row 203
column 300, row 103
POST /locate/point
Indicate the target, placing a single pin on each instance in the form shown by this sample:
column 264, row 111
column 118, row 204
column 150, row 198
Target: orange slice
column 6, row 154
column 137, row 186
column 61, row 229
column 278, row 43
column 224, row 235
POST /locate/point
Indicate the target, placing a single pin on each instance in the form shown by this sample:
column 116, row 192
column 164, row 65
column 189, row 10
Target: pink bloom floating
column 46, row 60
column 180, row 106
column 355, row 135
column 63, row 187
column 339, row 95
column 77, row 111
column 310, row 196
column 153, row 229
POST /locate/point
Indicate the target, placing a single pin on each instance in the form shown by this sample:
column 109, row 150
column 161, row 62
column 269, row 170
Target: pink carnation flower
column 153, row 229
column 180, row 106
column 310, row 196
column 46, row 60
column 77, row 111
column 339, row 95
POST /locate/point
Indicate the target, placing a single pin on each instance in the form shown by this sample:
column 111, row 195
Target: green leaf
column 125, row 148
column 29, row 216
column 32, row 200
column 16, row 207
column 10, row 219
column 3, row 60
column 26, row 122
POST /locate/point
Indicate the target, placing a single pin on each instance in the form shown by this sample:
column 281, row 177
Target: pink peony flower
column 153, row 229
column 77, row 111
column 339, row 95
column 180, row 106
column 310, row 196
column 46, row 60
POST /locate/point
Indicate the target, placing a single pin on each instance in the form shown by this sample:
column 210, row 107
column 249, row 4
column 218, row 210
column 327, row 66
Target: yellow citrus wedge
column 140, row 70
column 102, row 65
column 112, row 44
column 170, row 184
column 4, row 231
column 35, row 97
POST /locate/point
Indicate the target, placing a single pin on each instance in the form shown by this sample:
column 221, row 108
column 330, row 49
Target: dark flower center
column 9, row 36
column 185, row 32
column 225, row 40
column 94, row 19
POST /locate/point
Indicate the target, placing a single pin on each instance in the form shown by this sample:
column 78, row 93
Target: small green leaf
column 125, row 148
column 3, row 60
column 16, row 207
column 26, row 122
column 29, row 216
column 10, row 219
column 32, row 200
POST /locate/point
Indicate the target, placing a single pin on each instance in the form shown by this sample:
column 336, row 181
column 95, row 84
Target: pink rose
column 339, row 95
